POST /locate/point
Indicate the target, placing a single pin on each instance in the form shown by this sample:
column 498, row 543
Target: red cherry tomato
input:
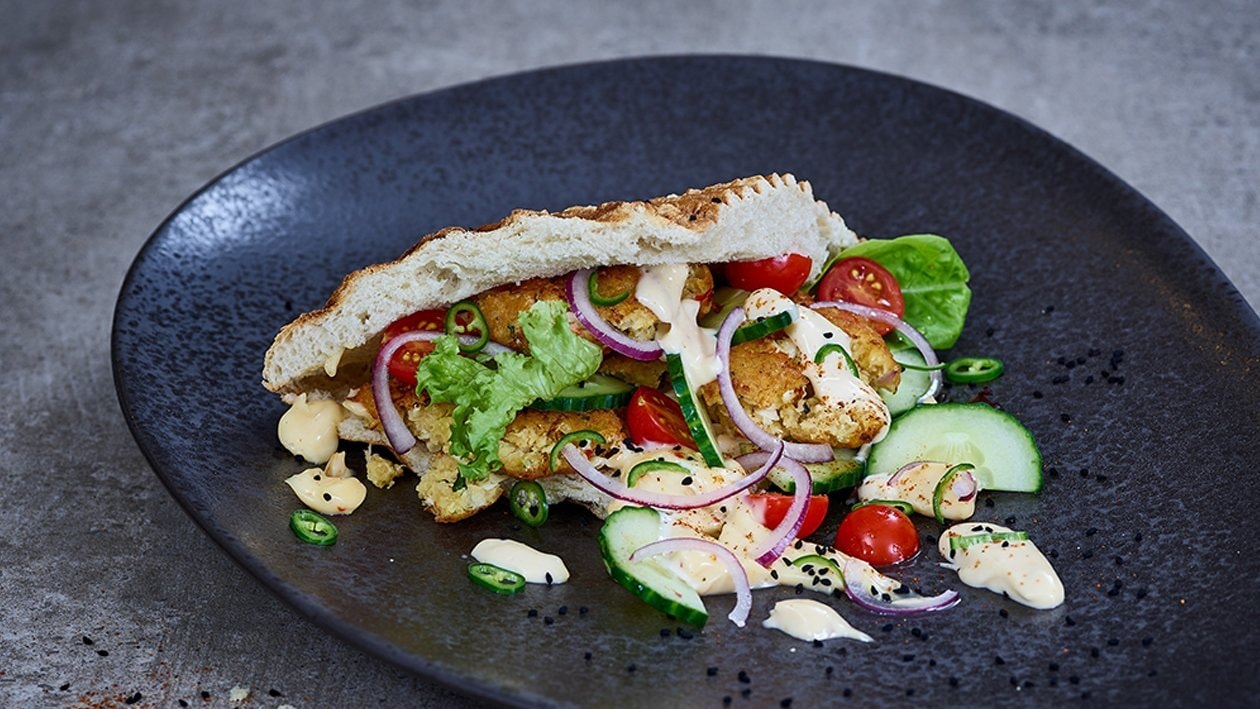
column 402, row 366
column 772, row 507
column 655, row 418
column 878, row 534
column 862, row 281
column 783, row 273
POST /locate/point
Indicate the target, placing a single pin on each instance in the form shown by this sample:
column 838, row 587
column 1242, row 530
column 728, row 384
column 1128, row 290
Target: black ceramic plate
column 1127, row 352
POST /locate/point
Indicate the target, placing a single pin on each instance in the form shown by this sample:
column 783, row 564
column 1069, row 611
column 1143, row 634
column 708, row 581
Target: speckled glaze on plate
column 1127, row 352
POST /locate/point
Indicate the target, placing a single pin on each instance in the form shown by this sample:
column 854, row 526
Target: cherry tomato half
column 653, row 417
column 783, row 273
column 878, row 534
column 772, row 507
column 862, row 281
column 402, row 366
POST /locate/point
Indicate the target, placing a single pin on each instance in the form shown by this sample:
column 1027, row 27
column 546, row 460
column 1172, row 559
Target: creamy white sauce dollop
column 1017, row 569
column 660, row 290
column 917, row 486
column 534, row 565
column 807, row 619
column 309, row 428
column 331, row 490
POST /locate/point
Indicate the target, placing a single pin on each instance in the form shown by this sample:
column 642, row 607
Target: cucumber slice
column 623, row 532
column 914, row 383
column 1003, row 451
column 696, row 415
column 760, row 328
column 725, row 299
column 844, row 472
column 599, row 392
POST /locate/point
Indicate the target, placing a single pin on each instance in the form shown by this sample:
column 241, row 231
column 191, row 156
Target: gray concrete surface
column 112, row 112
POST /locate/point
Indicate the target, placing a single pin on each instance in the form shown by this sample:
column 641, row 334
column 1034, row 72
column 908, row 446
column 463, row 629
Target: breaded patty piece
column 526, row 446
column 870, row 352
column 437, row 492
column 643, row 374
column 502, row 305
column 773, row 389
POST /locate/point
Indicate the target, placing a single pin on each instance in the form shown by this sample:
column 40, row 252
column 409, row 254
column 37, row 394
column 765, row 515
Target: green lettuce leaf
column 933, row 279
column 487, row 399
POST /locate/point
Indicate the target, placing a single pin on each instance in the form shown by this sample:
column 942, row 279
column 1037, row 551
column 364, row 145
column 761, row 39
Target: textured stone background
column 112, row 112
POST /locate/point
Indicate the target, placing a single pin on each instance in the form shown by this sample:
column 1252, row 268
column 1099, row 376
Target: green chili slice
column 818, row 560
column 584, row 435
column 653, row 466
column 830, row 347
column 957, row 542
column 475, row 326
column 528, row 502
column 313, row 528
column 942, row 485
column 495, row 578
column 973, row 370
column 592, row 287
column 899, row 504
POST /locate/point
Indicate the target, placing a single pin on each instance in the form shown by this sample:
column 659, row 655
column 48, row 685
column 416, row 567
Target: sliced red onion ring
column 920, row 342
column 964, row 485
column 802, row 452
column 882, row 595
column 782, row 535
column 581, row 306
column 661, row 500
column 400, row 438
column 743, row 591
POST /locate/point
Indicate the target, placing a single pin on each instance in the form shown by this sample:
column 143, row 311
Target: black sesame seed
column 1089, row 379
column 1146, row 642
column 887, row 627
column 1037, row 394
column 317, row 478
column 183, row 703
column 1088, row 554
column 665, row 632
column 1003, row 612
column 275, row 692
column 88, row 641
column 726, row 701
column 997, row 660
column 907, row 658
column 205, row 694
column 786, row 702
column 1137, row 537
column 828, row 335
column 1093, row 652
column 829, row 671
column 988, row 332
column 1067, row 620
column 847, row 692
column 563, row 610
column 774, row 574
column 587, row 656
column 988, row 502
column 631, row 668
column 743, row 677
column 327, row 497
column 1112, row 642
column 133, row 698
column 548, row 620
column 1048, row 309
column 745, row 693
column 1065, row 418
column 683, row 633
column 1074, row 679
column 953, row 681
column 548, row 578
column 687, row 480
column 64, row 687
column 818, row 643
column 1119, row 560
column 712, row 671
column 103, row 653
column 583, row 610
column 532, row 613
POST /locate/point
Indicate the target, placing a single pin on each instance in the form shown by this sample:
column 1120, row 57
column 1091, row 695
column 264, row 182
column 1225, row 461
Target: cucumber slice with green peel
column 958, row 543
column 760, row 328
column 1003, row 451
column 599, row 392
column 914, row 383
column 694, row 413
column 844, row 472
column 725, row 299
column 628, row 529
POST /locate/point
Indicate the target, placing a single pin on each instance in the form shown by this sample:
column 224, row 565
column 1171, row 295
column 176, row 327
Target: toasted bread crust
column 748, row 218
